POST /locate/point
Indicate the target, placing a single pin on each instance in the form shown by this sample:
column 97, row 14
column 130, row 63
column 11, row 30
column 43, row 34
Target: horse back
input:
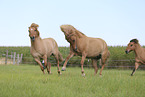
column 97, row 43
column 95, row 46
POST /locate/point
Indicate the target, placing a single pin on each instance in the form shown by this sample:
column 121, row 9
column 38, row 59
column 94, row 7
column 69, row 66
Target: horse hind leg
column 82, row 63
column 58, row 66
column 94, row 62
column 57, row 60
column 103, row 61
column 48, row 67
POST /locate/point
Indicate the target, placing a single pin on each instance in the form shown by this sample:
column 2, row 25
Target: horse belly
column 94, row 51
column 94, row 55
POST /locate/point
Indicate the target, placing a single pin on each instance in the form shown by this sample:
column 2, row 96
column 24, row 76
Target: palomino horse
column 87, row 47
column 43, row 48
column 139, row 53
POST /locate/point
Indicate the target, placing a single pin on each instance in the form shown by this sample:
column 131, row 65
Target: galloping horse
column 139, row 53
column 43, row 48
column 87, row 47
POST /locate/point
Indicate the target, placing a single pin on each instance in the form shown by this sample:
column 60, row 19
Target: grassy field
column 28, row 81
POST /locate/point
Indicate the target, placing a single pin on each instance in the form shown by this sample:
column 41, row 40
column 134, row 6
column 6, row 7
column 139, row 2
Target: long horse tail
column 108, row 54
column 60, row 57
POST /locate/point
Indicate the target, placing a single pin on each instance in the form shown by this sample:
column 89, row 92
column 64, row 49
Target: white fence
column 11, row 59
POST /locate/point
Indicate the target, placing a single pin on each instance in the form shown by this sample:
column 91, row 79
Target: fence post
column 18, row 59
column 14, row 58
column 6, row 57
column 21, row 58
column 11, row 56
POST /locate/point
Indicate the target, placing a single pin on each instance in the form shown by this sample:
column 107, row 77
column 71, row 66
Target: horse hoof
column 83, row 74
column 131, row 74
column 100, row 75
column 59, row 73
column 49, row 72
column 63, row 69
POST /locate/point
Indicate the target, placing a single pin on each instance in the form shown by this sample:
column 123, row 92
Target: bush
column 118, row 56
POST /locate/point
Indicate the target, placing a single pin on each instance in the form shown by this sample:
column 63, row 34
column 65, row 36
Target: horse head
column 33, row 31
column 70, row 35
column 72, row 39
column 131, row 46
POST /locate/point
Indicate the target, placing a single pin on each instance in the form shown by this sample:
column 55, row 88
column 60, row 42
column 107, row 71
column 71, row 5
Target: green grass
column 28, row 81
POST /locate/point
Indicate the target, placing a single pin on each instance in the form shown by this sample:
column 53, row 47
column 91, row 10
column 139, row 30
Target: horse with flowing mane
column 43, row 48
column 87, row 47
column 139, row 53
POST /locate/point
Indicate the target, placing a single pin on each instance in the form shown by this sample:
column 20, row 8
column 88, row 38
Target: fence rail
column 52, row 61
column 11, row 59
column 19, row 59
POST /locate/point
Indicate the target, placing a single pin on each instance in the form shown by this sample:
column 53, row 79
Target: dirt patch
column 9, row 61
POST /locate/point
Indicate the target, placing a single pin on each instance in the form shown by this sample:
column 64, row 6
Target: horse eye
column 35, row 30
column 131, row 45
column 73, row 40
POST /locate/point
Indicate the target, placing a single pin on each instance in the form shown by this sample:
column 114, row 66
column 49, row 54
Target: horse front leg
column 136, row 66
column 58, row 67
column 71, row 54
column 82, row 63
column 39, row 62
column 45, row 60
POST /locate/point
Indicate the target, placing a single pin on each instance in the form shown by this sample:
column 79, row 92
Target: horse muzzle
column 76, row 48
column 127, row 51
column 32, row 38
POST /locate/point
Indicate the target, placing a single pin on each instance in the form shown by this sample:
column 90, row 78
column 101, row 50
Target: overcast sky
column 115, row 21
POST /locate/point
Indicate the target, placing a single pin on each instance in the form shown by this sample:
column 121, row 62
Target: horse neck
column 80, row 34
column 37, row 43
column 78, row 38
column 138, row 51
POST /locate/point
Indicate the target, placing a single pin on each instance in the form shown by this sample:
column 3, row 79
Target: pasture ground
column 28, row 81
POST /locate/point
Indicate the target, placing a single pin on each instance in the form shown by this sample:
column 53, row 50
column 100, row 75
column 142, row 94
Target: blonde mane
column 135, row 41
column 36, row 27
column 73, row 29
column 80, row 34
